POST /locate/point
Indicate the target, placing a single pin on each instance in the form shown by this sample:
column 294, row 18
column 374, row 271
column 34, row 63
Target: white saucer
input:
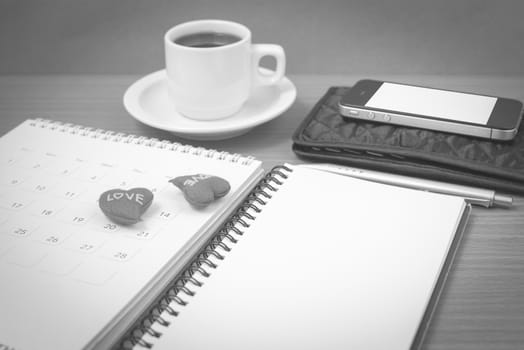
column 147, row 101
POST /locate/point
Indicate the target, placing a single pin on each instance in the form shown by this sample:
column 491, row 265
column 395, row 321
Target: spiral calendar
column 70, row 278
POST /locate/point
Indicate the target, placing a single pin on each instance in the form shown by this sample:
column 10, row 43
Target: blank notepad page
column 330, row 262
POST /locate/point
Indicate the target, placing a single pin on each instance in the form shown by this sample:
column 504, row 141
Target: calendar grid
column 49, row 205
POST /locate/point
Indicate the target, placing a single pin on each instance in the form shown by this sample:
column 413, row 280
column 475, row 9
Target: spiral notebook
column 69, row 277
column 297, row 258
column 314, row 261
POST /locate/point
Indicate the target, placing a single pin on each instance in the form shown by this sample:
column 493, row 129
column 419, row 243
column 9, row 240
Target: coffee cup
column 212, row 67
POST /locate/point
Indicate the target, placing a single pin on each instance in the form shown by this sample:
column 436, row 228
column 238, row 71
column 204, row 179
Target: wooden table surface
column 482, row 306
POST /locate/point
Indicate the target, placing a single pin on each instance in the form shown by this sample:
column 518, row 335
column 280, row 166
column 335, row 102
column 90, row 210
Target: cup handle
column 260, row 50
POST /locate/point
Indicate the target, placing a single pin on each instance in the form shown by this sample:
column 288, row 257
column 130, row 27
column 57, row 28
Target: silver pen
column 473, row 195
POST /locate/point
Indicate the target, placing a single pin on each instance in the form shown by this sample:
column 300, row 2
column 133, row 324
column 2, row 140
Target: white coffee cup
column 208, row 83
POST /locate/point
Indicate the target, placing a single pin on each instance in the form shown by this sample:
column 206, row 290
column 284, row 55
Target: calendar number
column 78, row 219
column 143, row 234
column 21, row 229
column 86, row 247
column 110, row 227
column 55, row 237
column 165, row 215
column 85, row 244
column 69, row 194
column 104, row 226
column 40, row 188
column 120, row 251
column 59, row 168
column 16, row 205
column 22, row 232
column 75, row 214
column 52, row 239
column 66, row 193
column 14, row 202
column 11, row 180
column 46, row 212
column 92, row 174
column 120, row 255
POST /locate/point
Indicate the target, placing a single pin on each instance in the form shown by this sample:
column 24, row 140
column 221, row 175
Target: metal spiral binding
column 111, row 136
column 183, row 287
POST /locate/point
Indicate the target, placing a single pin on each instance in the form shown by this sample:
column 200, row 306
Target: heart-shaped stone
column 125, row 207
column 200, row 189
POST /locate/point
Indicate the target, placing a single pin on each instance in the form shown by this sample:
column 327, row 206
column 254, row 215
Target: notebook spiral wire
column 111, row 136
column 185, row 285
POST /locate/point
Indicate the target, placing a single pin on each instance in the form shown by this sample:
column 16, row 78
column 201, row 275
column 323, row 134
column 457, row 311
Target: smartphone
column 489, row 117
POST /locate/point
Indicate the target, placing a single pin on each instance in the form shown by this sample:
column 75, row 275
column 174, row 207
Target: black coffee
column 207, row 39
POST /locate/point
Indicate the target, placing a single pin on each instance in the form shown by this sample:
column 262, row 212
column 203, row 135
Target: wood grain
column 482, row 306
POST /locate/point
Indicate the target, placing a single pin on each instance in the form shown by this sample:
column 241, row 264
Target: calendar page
column 68, row 274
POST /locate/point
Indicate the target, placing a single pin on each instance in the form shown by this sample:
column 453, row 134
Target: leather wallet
column 326, row 136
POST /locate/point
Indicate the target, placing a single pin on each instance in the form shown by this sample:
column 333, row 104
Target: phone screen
column 433, row 103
